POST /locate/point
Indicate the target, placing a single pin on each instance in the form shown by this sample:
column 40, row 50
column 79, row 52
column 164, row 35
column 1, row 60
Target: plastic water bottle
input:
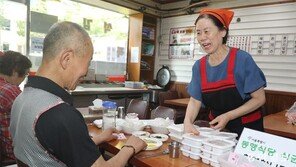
column 109, row 115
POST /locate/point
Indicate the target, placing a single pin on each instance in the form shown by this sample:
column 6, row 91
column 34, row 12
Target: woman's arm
column 191, row 113
column 256, row 101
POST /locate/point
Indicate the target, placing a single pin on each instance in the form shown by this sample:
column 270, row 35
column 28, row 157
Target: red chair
column 140, row 107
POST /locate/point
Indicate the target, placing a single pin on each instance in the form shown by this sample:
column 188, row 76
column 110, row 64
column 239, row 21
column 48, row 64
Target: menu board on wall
column 181, row 44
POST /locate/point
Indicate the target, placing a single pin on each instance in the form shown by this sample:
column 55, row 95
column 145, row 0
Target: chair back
column 138, row 106
column 163, row 112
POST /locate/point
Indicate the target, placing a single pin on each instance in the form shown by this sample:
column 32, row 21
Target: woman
column 14, row 67
column 226, row 80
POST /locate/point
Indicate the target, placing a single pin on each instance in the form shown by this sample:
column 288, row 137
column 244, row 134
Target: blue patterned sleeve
column 254, row 77
column 194, row 88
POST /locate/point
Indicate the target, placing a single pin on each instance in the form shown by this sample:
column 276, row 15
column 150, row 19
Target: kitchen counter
column 84, row 95
column 105, row 90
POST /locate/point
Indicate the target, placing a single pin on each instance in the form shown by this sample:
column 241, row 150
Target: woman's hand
column 189, row 128
column 220, row 122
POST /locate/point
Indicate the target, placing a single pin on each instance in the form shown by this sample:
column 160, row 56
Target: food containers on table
column 218, row 146
column 176, row 132
column 213, row 155
column 190, row 154
column 205, row 131
column 176, row 137
column 160, row 125
column 225, row 135
column 176, row 129
column 193, row 140
column 191, row 145
column 130, row 127
column 210, row 161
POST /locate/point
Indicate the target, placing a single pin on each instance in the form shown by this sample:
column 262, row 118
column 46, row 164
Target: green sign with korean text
column 273, row 150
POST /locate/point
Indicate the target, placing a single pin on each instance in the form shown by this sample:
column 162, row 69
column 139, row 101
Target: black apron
column 222, row 96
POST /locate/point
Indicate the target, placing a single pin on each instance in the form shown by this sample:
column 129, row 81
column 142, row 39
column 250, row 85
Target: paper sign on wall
column 181, row 44
column 275, row 151
column 135, row 55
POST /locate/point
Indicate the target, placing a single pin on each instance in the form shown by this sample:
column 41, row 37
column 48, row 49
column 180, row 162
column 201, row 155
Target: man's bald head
column 65, row 35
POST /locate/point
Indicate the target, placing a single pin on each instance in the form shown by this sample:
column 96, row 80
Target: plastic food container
column 225, row 135
column 192, row 148
column 193, row 140
column 177, row 129
column 206, row 131
column 192, row 155
column 213, row 155
column 218, row 146
column 210, row 161
column 176, row 137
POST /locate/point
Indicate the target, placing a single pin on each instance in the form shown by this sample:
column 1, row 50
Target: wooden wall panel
column 276, row 101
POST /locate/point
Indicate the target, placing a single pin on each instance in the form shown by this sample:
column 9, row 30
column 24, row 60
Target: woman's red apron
column 222, row 96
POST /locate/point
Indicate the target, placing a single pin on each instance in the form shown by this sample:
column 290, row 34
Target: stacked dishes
column 213, row 148
column 225, row 135
column 176, row 132
column 191, row 145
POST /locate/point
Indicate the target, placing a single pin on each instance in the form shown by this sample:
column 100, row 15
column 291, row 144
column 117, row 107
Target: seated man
column 14, row 67
column 46, row 129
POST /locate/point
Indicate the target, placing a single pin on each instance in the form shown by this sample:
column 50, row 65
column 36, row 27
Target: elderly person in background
column 59, row 136
column 14, row 67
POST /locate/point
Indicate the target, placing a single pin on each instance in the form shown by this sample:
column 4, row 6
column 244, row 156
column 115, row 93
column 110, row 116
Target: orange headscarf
column 223, row 15
column 1, row 53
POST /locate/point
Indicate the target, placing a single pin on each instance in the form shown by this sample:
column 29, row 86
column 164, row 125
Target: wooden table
column 178, row 102
column 277, row 124
column 142, row 159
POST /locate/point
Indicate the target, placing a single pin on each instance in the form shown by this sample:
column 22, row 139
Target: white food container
column 225, row 135
column 192, row 155
column 213, row 155
column 176, row 137
column 218, row 146
column 177, row 129
column 205, row 131
column 193, row 140
column 210, row 161
column 192, row 148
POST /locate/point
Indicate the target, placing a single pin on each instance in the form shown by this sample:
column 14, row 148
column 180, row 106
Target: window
column 13, row 26
column 108, row 31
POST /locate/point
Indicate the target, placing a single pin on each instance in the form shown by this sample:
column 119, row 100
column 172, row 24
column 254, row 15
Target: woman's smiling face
column 208, row 35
